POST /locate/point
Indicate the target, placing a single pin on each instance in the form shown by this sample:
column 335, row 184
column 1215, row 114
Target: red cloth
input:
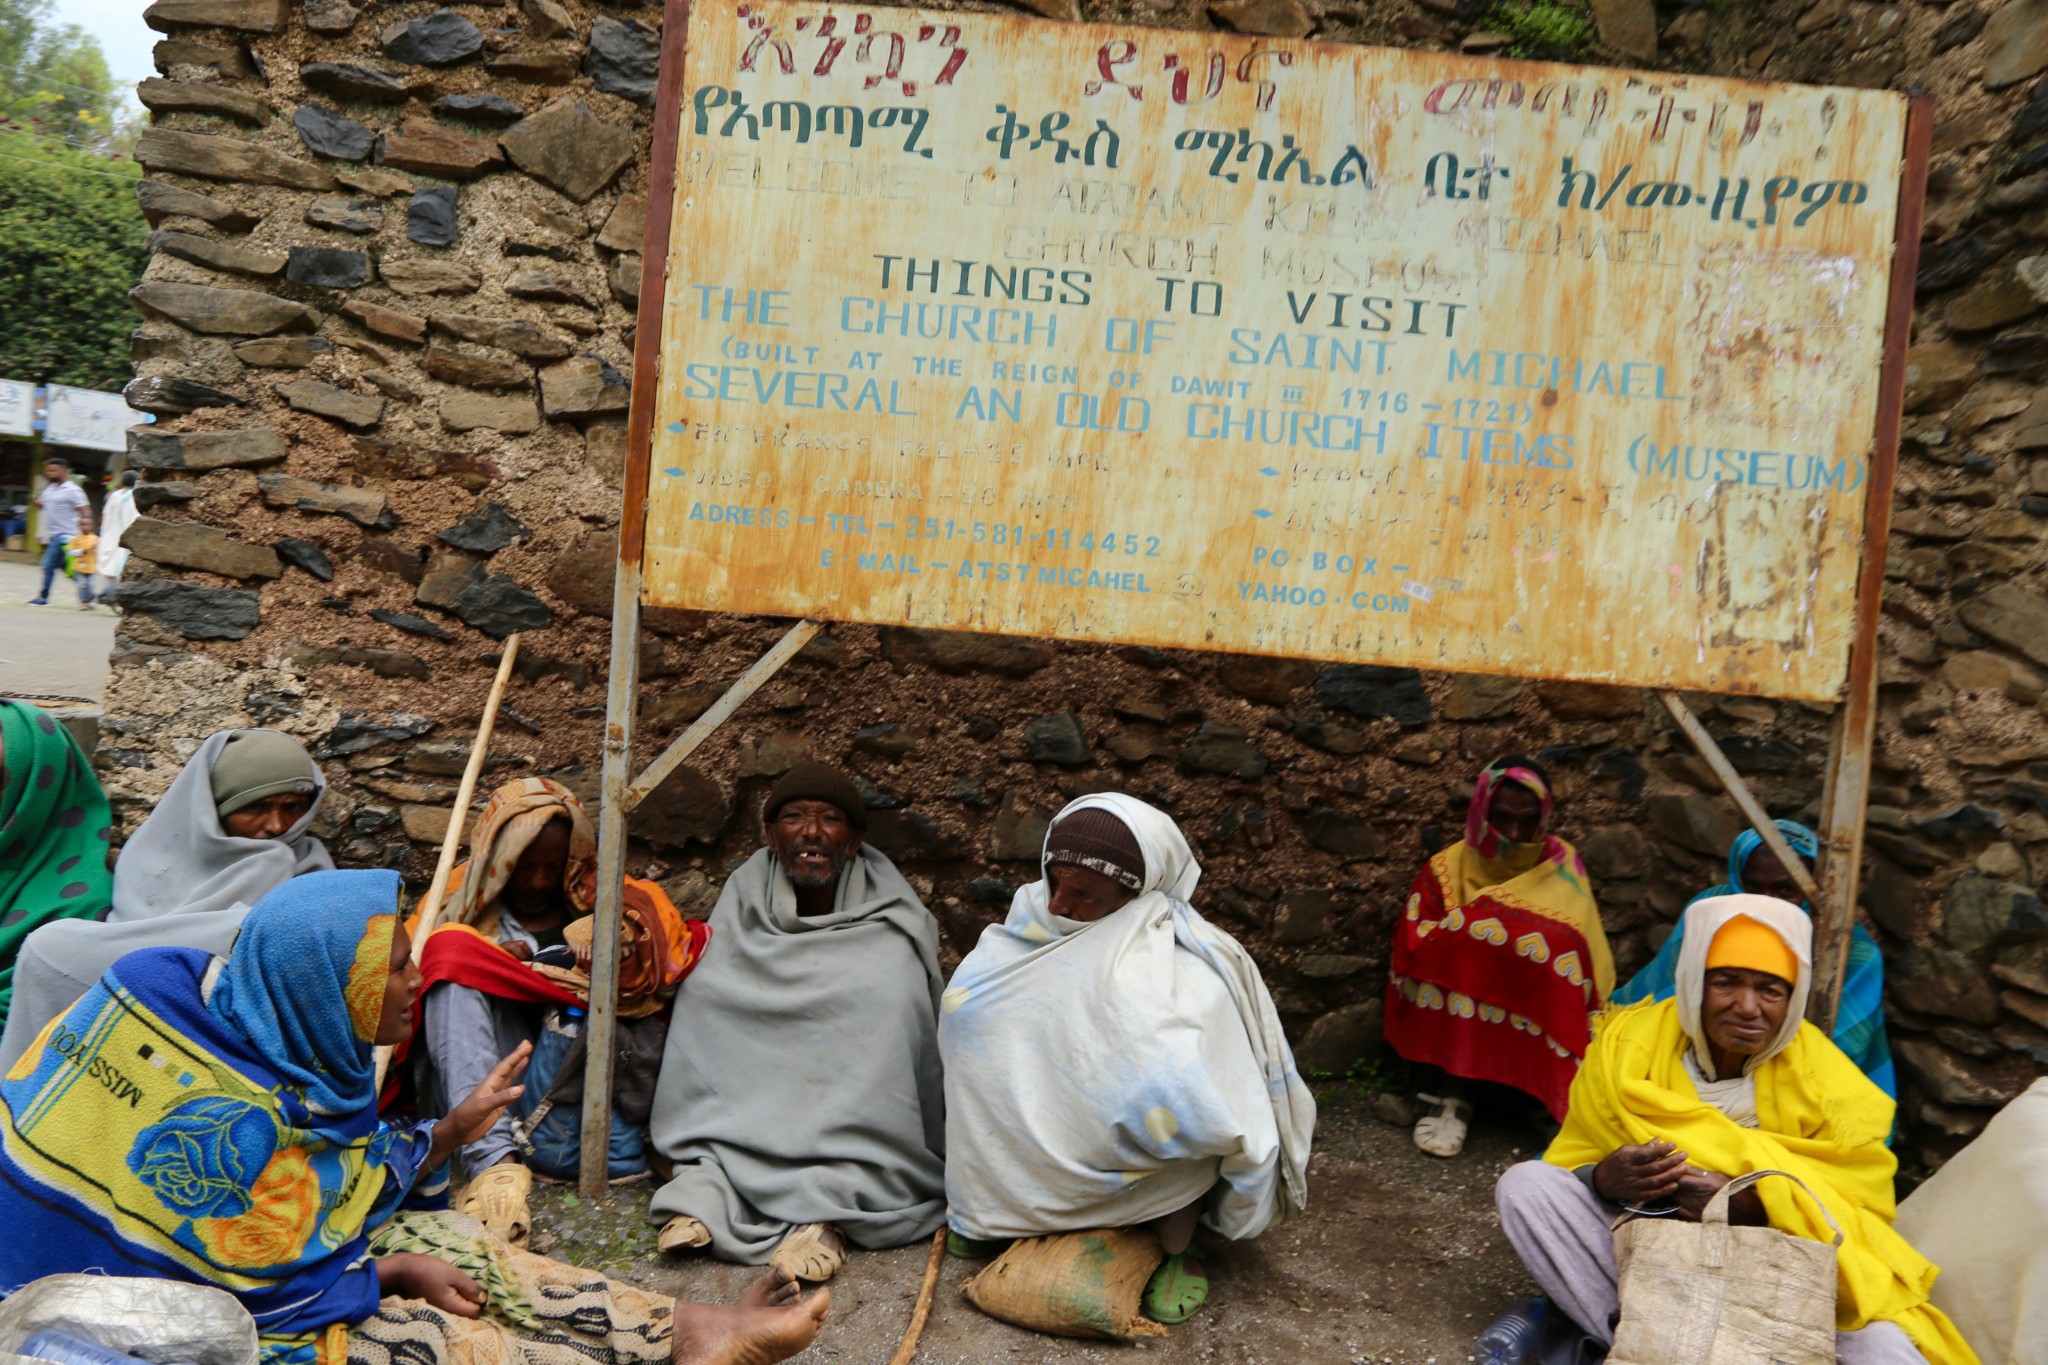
column 459, row 954
column 1477, row 990
column 665, row 949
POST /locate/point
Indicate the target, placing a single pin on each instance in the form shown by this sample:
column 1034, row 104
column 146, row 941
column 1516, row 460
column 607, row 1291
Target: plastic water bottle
column 67, row 1348
column 1513, row 1337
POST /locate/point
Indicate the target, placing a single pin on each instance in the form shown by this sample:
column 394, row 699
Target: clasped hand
column 1653, row 1173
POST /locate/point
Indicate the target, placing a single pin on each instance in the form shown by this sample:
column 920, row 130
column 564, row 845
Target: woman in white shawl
column 1113, row 1060
column 232, row 826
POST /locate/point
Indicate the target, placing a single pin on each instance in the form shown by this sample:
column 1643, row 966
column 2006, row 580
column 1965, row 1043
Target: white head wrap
column 1703, row 920
column 1170, row 866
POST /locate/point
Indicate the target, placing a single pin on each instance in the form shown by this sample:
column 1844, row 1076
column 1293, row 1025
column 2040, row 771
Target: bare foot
column 706, row 1334
column 776, row 1288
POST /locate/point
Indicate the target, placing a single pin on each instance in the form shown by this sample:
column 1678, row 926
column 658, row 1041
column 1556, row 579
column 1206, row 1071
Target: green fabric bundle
column 55, row 826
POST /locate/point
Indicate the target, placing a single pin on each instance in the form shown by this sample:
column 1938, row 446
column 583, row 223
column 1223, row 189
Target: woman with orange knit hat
column 1678, row 1097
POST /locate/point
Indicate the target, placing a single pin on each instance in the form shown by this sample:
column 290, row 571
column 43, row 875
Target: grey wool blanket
column 182, row 882
column 801, row 1079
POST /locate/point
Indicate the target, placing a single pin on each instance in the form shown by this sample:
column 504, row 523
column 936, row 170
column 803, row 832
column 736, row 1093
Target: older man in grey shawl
column 800, row 1096
column 232, row 826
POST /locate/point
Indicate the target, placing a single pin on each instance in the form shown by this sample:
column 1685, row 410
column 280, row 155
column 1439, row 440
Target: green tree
column 72, row 244
column 72, row 240
column 53, row 78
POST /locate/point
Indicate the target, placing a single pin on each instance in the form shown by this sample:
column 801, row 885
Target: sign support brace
column 1745, row 800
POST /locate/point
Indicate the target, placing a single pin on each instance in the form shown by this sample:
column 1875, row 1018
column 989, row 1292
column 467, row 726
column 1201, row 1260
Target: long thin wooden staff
column 451, row 843
column 458, row 818
column 906, row 1352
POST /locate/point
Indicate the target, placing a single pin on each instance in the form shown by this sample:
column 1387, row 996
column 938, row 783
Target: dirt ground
column 1399, row 1258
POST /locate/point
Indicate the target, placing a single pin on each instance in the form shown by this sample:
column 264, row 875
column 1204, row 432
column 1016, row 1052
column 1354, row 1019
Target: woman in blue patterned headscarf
column 1754, row 870
column 214, row 1120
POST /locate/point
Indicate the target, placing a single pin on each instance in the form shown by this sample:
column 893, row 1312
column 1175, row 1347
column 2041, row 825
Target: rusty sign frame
column 1848, row 777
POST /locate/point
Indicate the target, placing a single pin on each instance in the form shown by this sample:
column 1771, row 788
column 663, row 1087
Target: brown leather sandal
column 812, row 1251
column 496, row 1197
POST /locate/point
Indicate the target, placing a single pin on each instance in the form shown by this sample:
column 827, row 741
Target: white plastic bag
column 162, row 1320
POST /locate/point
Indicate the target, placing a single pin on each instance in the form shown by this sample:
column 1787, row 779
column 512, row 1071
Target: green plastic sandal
column 967, row 1249
column 1175, row 1293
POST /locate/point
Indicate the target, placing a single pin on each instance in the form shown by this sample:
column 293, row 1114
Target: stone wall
column 389, row 337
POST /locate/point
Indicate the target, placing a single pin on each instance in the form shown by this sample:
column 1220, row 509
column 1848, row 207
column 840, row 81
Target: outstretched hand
column 431, row 1280
column 1641, row 1173
column 472, row 1118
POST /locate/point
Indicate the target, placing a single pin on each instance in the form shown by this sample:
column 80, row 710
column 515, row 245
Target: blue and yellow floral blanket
column 146, row 1135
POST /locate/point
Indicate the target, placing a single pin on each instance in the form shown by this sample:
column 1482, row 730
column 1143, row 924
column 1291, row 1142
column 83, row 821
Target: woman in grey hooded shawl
column 183, row 881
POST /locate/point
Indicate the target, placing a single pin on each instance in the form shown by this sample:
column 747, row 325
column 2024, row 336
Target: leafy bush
column 72, row 244
column 1547, row 30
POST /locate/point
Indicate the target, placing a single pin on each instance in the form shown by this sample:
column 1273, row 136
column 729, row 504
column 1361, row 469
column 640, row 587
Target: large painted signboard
column 1190, row 340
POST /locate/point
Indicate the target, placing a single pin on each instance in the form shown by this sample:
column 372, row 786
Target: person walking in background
column 1499, row 959
column 115, row 519
column 81, row 557
column 60, row 502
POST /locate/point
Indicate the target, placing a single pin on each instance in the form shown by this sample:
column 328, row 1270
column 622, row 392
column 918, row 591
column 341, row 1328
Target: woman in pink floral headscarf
column 1499, row 959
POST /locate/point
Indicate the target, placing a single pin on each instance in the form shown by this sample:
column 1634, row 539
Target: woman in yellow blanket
column 1678, row 1097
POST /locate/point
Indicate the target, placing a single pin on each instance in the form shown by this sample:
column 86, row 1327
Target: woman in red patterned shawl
column 1499, row 959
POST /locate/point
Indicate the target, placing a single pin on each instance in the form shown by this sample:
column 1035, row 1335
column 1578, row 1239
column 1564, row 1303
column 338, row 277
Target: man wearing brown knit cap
column 800, row 1095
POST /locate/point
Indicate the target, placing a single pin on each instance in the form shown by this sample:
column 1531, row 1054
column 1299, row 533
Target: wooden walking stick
column 906, row 1352
column 430, row 904
column 458, row 818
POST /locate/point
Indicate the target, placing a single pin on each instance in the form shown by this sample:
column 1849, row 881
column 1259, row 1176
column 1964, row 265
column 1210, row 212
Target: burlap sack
column 1078, row 1284
column 1709, row 1293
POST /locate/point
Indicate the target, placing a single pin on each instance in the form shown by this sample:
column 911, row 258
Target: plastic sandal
column 1443, row 1133
column 812, row 1251
column 969, row 1249
column 683, row 1233
column 496, row 1197
column 1175, row 1293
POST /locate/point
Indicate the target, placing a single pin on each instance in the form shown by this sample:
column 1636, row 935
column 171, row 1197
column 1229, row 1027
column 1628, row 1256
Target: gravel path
column 1399, row 1259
